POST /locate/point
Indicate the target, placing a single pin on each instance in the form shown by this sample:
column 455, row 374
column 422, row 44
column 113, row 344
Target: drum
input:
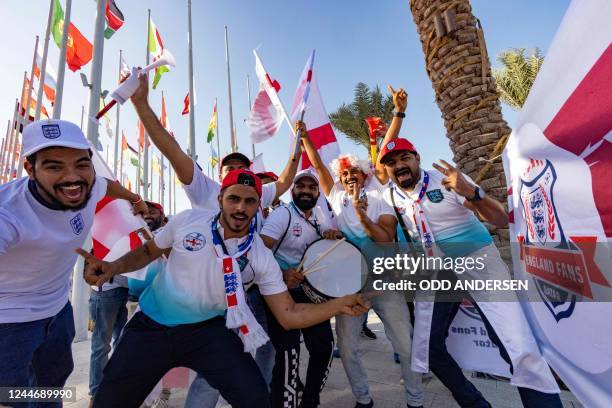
column 341, row 271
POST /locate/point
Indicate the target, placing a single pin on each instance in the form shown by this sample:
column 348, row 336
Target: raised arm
column 285, row 179
column 293, row 315
column 97, row 272
column 400, row 102
column 167, row 145
column 326, row 181
column 114, row 189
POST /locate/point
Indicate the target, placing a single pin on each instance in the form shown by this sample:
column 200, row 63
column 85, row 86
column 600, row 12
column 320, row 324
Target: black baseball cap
column 236, row 156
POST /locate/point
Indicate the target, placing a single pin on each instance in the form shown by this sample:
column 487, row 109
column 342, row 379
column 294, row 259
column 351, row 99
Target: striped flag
column 308, row 97
column 50, row 84
column 212, row 124
column 114, row 19
column 156, row 48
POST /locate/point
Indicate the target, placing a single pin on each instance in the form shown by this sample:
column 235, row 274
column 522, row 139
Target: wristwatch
column 399, row 114
column 479, row 194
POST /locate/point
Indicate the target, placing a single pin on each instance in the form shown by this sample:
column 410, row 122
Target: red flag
column 141, row 135
column 79, row 50
column 186, row 107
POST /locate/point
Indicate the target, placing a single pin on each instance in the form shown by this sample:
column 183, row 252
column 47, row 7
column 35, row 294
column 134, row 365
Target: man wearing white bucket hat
column 43, row 217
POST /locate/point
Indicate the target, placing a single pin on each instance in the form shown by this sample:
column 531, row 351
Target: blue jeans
column 37, row 353
column 108, row 312
column 392, row 309
column 201, row 394
column 448, row 371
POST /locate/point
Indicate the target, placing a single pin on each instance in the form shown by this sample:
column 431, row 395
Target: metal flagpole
column 229, row 93
column 13, row 153
column 250, row 107
column 26, row 114
column 162, row 183
column 43, row 67
column 145, row 181
column 217, row 132
column 5, row 148
column 192, row 145
column 61, row 66
column 121, row 159
column 117, row 124
column 138, row 183
column 82, row 116
column 169, row 188
column 6, row 167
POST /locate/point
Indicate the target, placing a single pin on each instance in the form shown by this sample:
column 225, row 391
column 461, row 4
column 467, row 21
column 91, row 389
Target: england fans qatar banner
column 557, row 162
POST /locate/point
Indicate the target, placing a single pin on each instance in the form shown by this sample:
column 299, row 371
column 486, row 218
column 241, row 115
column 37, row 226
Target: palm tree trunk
column 459, row 69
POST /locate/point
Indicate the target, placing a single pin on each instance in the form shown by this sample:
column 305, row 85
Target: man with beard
column 366, row 219
column 155, row 218
column 288, row 231
column 194, row 314
column 42, row 218
column 438, row 208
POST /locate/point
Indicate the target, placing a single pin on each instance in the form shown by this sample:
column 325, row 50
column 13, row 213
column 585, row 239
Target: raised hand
column 96, row 272
column 400, row 98
column 360, row 203
column 140, row 208
column 142, row 93
column 455, row 180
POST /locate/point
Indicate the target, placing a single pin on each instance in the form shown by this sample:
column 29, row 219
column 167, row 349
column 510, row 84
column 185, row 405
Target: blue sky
column 356, row 41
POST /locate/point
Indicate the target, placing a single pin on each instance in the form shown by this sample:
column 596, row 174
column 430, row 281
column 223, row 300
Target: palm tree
column 350, row 119
column 458, row 66
column 515, row 78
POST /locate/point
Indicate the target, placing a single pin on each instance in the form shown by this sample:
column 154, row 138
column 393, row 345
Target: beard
column 304, row 201
column 154, row 223
column 406, row 183
column 229, row 221
column 60, row 205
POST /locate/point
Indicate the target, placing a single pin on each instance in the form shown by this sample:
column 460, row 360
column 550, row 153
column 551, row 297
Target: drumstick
column 309, row 271
column 324, row 254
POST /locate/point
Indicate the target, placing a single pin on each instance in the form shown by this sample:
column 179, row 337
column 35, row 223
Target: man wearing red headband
column 194, row 314
column 437, row 210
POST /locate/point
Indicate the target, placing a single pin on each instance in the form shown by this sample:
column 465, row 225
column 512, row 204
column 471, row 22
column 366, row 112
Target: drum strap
column 282, row 238
column 402, row 223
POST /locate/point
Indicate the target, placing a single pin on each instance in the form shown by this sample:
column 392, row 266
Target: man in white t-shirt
column 43, row 217
column 190, row 312
column 288, row 231
column 437, row 209
column 366, row 219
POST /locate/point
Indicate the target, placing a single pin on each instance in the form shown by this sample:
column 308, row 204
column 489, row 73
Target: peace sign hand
column 96, row 272
column 360, row 204
column 400, row 98
column 455, row 180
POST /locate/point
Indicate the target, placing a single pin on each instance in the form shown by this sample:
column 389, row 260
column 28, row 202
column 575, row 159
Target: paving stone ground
column 383, row 374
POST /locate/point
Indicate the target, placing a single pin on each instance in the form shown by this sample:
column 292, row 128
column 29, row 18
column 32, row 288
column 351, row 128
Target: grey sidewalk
column 383, row 373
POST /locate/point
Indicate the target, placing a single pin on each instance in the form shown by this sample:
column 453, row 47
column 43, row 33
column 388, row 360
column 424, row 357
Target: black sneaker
column 367, row 333
column 414, row 406
column 368, row 405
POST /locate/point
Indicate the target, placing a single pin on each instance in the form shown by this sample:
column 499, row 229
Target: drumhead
column 343, row 271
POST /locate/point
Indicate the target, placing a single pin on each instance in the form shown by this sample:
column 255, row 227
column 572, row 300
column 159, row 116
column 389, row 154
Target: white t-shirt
column 37, row 251
column 348, row 222
column 203, row 193
column 301, row 232
column 450, row 222
column 191, row 289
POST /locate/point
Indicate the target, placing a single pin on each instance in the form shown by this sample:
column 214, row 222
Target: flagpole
column 169, row 189
column 192, row 144
column 121, row 158
column 138, row 170
column 10, row 152
column 5, row 143
column 117, row 124
column 96, row 74
column 43, row 67
column 229, row 93
column 13, row 153
column 61, row 66
column 217, row 132
column 145, row 181
column 250, row 107
column 162, row 182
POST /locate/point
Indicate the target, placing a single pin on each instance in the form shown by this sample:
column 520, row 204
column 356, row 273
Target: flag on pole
column 50, row 84
column 557, row 162
column 141, row 135
column 114, row 19
column 316, row 119
column 156, row 48
column 44, row 114
column 79, row 51
column 212, row 124
column 214, row 157
column 125, row 69
column 186, row 105
column 115, row 230
column 258, row 164
column 266, row 114
column 155, row 163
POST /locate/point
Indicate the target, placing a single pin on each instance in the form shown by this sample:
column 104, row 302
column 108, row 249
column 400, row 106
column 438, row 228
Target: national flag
column 316, row 119
column 258, row 165
column 116, row 230
column 266, row 114
column 141, row 135
column 156, row 48
column 129, row 151
column 114, row 19
column 79, row 51
column 156, row 165
column 125, row 68
column 558, row 162
column 50, row 84
column 186, row 105
column 44, row 114
column 212, row 124
column 214, row 157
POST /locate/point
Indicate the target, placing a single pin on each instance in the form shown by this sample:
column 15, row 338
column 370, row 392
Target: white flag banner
column 258, row 165
column 266, row 114
column 116, row 231
column 558, row 161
